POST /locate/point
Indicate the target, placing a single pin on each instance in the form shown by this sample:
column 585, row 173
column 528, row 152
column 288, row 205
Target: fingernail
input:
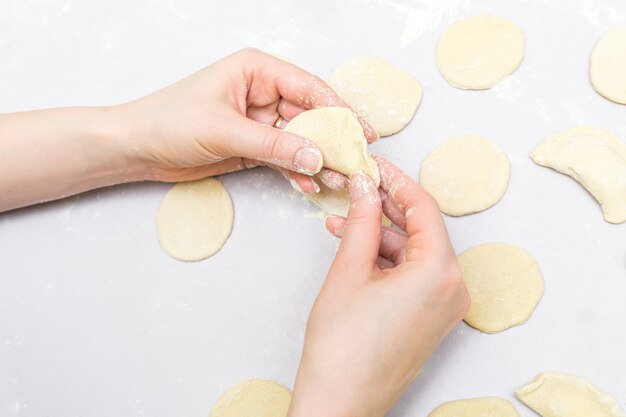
column 362, row 185
column 316, row 187
column 308, row 161
column 295, row 185
column 338, row 231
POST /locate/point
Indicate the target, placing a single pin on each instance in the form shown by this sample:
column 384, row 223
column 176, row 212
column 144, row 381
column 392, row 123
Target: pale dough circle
column 466, row 174
column 476, row 407
column 608, row 65
column 478, row 52
column 553, row 394
column 504, row 283
column 338, row 134
column 382, row 93
column 195, row 219
column 253, row 398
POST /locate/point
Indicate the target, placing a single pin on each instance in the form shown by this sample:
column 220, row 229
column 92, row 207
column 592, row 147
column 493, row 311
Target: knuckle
column 248, row 51
column 357, row 220
column 451, row 282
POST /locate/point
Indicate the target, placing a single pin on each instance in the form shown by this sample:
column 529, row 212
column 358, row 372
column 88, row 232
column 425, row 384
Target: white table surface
column 95, row 319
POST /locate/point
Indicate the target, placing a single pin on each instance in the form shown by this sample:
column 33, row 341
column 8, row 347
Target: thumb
column 265, row 143
column 361, row 237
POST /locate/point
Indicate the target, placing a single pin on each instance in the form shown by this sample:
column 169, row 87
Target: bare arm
column 48, row 154
column 218, row 120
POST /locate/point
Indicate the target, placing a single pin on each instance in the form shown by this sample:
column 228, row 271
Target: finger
column 392, row 242
column 393, row 245
column 300, row 182
column 383, row 263
column 300, row 88
column 265, row 143
column 288, row 110
column 333, row 179
column 392, row 212
column 361, row 236
column 195, row 173
column 424, row 222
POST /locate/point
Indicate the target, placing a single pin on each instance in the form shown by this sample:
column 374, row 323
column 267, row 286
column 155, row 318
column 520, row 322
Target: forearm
column 49, row 154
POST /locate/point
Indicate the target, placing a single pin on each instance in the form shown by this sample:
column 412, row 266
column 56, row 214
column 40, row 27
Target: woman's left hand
column 227, row 117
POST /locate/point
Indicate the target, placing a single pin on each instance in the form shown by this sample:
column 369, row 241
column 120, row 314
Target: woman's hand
column 388, row 301
column 227, row 116
column 221, row 119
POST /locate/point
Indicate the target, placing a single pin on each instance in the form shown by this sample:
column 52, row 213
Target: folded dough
column 553, row 394
column 594, row 157
column 338, row 134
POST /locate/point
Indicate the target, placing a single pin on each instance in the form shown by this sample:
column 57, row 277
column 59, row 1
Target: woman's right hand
column 388, row 301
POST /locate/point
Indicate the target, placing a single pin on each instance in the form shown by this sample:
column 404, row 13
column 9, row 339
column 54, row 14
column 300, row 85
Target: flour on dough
column 504, row 283
column 594, row 157
column 607, row 68
column 253, row 398
column 553, row 394
column 476, row 407
column 466, row 174
column 478, row 52
column 382, row 93
column 195, row 219
column 338, row 134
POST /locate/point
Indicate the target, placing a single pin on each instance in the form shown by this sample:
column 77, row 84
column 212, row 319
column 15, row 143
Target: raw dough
column 384, row 94
column 336, row 202
column 553, row 394
column 195, row 219
column 339, row 135
column 253, row 398
column 594, row 157
column 476, row 407
column 480, row 51
column 466, row 174
column 608, row 65
column 504, row 283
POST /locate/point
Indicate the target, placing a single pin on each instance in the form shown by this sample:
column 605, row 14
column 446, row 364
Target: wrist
column 129, row 151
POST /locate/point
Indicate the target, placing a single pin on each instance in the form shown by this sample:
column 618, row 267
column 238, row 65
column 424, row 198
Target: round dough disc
column 195, row 219
column 608, row 65
column 254, row 397
column 504, row 283
column 476, row 407
column 384, row 94
column 466, row 174
column 480, row 51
